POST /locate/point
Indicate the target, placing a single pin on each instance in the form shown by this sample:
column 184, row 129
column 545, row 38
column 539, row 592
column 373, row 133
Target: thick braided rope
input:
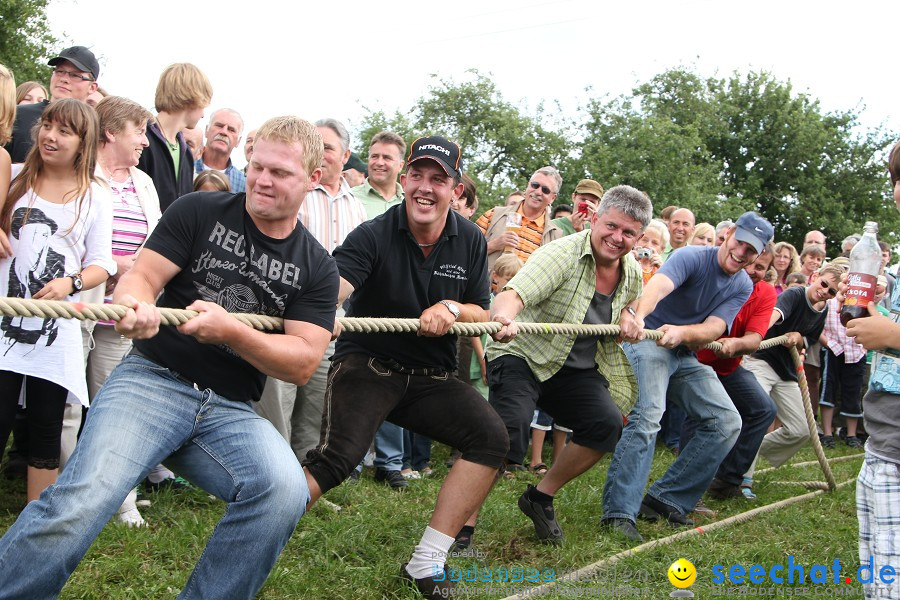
column 811, row 420
column 13, row 307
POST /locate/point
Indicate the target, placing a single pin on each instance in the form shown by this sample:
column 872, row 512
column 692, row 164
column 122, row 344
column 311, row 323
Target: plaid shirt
column 235, row 176
column 836, row 334
column 557, row 285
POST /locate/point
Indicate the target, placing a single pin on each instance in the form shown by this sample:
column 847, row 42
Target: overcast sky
column 334, row 59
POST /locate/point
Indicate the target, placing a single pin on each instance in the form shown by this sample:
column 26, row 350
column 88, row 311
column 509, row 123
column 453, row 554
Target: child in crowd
column 211, row 180
column 797, row 279
column 842, row 376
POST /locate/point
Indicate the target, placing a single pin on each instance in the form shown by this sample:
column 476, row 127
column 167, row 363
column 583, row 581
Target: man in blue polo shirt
column 692, row 299
column 418, row 259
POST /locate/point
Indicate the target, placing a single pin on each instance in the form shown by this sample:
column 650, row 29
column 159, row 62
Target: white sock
column 430, row 555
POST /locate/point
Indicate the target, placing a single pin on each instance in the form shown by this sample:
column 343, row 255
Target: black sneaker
column 393, row 478
column 623, row 528
column 828, row 442
column 720, row 490
column 853, row 441
column 543, row 517
column 430, row 587
column 176, row 484
column 652, row 510
column 353, row 477
column 463, row 539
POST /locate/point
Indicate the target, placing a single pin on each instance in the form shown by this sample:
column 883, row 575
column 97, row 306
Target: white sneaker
column 132, row 518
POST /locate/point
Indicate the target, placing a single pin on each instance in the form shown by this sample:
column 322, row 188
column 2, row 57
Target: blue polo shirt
column 392, row 277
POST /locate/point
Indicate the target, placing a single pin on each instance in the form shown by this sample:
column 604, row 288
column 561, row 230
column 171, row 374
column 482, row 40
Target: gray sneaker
column 543, row 517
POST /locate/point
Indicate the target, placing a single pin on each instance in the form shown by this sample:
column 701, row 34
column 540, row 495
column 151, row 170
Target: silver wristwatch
column 454, row 309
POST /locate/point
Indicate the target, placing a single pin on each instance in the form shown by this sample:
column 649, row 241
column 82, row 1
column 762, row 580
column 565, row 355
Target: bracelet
column 631, row 311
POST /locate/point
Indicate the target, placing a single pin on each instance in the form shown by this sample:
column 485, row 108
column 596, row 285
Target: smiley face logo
column 682, row 573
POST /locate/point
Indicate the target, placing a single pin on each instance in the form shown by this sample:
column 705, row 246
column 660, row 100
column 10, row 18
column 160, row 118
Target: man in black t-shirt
column 418, row 259
column 800, row 314
column 183, row 396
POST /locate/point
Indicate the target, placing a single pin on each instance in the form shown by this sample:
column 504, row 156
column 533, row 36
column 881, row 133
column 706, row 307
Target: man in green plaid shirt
column 585, row 383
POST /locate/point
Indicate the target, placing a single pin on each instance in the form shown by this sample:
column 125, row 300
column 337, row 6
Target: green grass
column 357, row 552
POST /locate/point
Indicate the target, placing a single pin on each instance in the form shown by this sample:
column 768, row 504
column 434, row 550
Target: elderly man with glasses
column 74, row 75
column 526, row 225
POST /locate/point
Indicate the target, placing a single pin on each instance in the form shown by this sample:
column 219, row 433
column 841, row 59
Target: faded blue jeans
column 695, row 388
column 146, row 414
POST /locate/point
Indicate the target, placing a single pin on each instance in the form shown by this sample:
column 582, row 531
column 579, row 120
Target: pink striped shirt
column 330, row 218
column 836, row 334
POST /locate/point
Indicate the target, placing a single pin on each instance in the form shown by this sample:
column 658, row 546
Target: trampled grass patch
column 357, row 552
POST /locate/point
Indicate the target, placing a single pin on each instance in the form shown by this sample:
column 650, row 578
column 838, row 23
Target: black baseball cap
column 440, row 150
column 354, row 162
column 79, row 56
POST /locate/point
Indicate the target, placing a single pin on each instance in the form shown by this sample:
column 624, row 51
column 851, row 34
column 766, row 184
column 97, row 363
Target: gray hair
column 212, row 117
column 661, row 228
column 724, row 225
column 849, row 242
column 337, row 127
column 552, row 173
column 631, row 201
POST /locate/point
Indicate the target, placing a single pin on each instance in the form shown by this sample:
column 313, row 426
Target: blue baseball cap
column 754, row 230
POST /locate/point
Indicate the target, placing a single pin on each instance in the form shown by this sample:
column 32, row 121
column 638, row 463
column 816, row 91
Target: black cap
column 79, row 56
column 439, row 149
column 354, row 162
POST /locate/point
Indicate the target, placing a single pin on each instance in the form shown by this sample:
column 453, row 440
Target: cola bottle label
column 860, row 289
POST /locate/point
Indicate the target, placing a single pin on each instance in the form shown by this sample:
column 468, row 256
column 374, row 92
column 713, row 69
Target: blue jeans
column 389, row 447
column 416, row 450
column 696, row 389
column 146, row 414
column 757, row 412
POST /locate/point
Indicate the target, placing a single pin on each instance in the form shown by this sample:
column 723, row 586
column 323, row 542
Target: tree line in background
column 25, row 39
column 719, row 146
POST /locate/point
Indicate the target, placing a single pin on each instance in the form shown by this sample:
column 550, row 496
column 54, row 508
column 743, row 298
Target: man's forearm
column 133, row 284
column 507, row 304
column 285, row 357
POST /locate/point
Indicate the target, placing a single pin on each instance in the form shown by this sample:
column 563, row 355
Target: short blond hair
column 294, row 130
column 115, row 112
column 507, row 265
column 182, row 86
column 7, row 104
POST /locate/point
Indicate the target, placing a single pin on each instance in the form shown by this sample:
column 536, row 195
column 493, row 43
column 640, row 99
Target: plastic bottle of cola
column 865, row 264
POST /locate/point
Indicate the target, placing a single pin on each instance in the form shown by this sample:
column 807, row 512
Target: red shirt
column 753, row 317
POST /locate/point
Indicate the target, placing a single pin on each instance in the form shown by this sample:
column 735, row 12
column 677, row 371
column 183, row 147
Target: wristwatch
column 77, row 283
column 454, row 309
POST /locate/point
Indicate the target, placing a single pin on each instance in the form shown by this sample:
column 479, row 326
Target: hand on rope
column 509, row 330
column 140, row 321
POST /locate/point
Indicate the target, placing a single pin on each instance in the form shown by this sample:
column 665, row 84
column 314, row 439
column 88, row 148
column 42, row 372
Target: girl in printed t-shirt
column 57, row 224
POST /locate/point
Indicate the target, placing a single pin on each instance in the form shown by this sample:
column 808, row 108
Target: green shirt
column 374, row 203
column 557, row 285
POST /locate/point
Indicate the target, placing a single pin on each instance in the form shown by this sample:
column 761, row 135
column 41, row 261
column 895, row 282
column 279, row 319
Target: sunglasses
column 535, row 185
column 831, row 291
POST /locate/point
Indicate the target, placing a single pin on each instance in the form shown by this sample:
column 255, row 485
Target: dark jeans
column 46, row 405
column 416, row 450
column 362, row 392
column 576, row 398
column 757, row 411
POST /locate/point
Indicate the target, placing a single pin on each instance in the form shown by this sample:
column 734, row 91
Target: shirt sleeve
column 762, row 313
column 98, row 236
column 317, row 302
column 679, row 266
column 541, row 275
column 357, row 255
column 177, row 229
column 484, row 220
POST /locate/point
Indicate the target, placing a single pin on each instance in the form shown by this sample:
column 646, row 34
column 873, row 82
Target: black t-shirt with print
column 225, row 259
column 392, row 278
column 797, row 315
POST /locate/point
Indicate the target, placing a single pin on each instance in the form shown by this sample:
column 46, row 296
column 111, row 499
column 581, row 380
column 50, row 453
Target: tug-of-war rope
column 19, row 307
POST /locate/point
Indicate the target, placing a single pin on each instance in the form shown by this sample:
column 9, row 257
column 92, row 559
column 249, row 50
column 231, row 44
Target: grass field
column 357, row 552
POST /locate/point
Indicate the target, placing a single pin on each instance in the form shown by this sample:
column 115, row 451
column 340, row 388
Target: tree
column 25, row 39
column 501, row 144
column 749, row 142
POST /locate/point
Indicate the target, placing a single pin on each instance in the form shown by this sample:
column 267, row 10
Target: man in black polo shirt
column 418, row 259
column 74, row 76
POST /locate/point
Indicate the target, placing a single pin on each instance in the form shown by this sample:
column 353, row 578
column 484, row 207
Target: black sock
column 466, row 532
column 540, row 497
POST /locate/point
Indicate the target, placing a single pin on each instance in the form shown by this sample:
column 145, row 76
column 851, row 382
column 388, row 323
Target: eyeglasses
column 535, row 185
column 831, row 291
column 72, row 75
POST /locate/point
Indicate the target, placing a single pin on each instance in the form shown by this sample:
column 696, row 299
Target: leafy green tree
column 25, row 39
column 502, row 144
